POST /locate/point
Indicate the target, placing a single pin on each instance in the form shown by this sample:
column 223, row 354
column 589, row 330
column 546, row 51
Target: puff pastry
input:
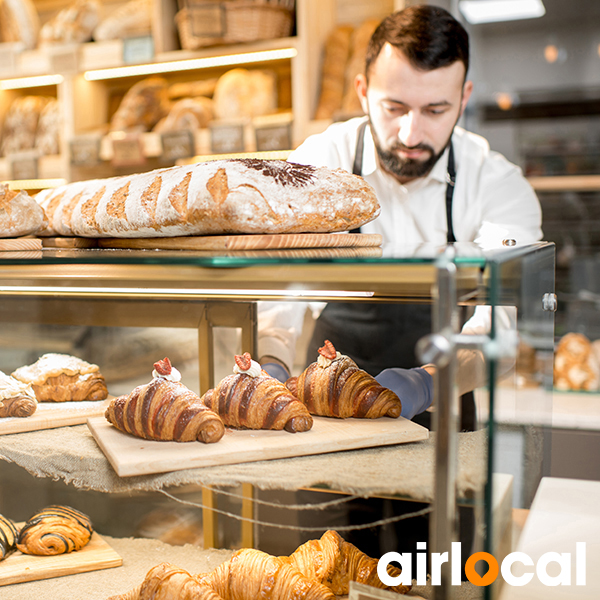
column 165, row 410
column 63, row 378
column 8, row 536
column 252, row 399
column 334, row 386
column 16, row 398
column 55, row 530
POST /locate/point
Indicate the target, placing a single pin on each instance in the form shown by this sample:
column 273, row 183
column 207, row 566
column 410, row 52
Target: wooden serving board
column 96, row 554
column 69, row 242
column 49, row 415
column 247, row 242
column 130, row 455
column 19, row 244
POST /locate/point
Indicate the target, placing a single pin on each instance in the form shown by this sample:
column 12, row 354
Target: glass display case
column 125, row 309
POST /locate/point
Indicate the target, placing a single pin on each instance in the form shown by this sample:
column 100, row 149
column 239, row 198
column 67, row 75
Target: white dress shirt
column 492, row 202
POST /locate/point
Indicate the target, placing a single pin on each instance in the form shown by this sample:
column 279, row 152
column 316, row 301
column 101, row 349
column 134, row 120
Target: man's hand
column 414, row 387
column 275, row 368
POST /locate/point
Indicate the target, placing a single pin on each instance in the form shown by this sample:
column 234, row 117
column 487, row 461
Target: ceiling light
column 489, row 11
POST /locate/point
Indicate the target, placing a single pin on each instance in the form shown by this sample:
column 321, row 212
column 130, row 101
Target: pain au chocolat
column 216, row 197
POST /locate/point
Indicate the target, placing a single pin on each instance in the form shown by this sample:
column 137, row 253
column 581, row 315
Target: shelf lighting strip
column 29, row 82
column 191, row 63
column 170, row 292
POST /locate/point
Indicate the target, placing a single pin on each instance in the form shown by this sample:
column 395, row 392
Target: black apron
column 378, row 336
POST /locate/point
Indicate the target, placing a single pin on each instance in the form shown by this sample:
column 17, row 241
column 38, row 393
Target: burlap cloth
column 71, row 454
column 139, row 556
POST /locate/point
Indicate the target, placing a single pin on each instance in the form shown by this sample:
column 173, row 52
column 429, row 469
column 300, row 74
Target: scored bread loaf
column 216, row 197
column 19, row 213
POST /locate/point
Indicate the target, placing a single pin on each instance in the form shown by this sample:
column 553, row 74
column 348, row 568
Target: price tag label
column 85, row 151
column 8, row 58
column 226, row 139
column 24, row 168
column 274, row 137
column 208, row 19
column 138, row 50
column 178, row 144
column 64, row 59
column 128, row 151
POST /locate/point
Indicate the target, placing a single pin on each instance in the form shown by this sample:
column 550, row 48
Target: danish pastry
column 8, row 536
column 63, row 378
column 55, row 530
column 16, row 398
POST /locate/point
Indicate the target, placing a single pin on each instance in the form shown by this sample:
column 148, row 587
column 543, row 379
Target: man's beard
column 406, row 168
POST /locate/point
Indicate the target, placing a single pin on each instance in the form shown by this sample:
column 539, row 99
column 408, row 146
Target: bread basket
column 204, row 23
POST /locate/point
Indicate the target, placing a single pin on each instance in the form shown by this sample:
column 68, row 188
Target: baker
column 435, row 182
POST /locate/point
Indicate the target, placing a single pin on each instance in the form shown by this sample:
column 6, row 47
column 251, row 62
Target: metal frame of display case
column 203, row 291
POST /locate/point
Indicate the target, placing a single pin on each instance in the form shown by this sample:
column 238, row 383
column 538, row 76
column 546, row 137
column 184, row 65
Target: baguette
column 217, row 197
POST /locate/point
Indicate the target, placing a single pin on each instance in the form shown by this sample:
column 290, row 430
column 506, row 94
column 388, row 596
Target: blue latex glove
column 276, row 370
column 414, row 387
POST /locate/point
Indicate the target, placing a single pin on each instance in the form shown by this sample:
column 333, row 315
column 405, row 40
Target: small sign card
column 138, row 50
column 128, row 151
column 178, row 144
column 274, row 137
column 85, row 151
column 24, row 167
column 64, row 59
column 226, row 139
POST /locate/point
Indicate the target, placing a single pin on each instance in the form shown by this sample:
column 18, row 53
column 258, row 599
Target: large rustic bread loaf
column 222, row 196
column 19, row 213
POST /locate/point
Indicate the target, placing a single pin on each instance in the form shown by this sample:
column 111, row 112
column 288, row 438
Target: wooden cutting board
column 130, row 455
column 96, row 554
column 247, row 242
column 69, row 242
column 49, row 415
column 25, row 243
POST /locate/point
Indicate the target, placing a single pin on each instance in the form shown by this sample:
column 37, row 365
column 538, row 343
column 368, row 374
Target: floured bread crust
column 217, row 197
column 20, row 214
column 63, row 378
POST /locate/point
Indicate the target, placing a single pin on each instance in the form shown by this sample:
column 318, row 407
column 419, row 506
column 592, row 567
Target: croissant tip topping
column 328, row 350
column 163, row 367
column 244, row 361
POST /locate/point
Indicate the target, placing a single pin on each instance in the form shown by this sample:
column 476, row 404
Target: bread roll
column 245, row 93
column 188, row 113
column 47, row 136
column 20, row 214
column 129, row 20
column 217, row 197
column 74, row 23
column 575, row 364
column 19, row 22
column 21, row 123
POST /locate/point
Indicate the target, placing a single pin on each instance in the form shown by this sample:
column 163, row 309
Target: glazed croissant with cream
column 63, row 378
column 334, row 386
column 335, row 562
column 250, row 398
column 55, row 530
column 8, row 536
column 16, row 398
column 165, row 410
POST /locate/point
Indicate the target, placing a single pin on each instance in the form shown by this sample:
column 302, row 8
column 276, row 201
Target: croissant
column 165, row 409
column 166, row 582
column 8, row 536
column 251, row 574
column 334, row 386
column 63, row 378
column 252, row 399
column 16, row 399
column 335, row 562
column 55, row 530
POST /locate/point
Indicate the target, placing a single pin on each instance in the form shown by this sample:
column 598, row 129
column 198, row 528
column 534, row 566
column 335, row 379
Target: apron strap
column 450, row 177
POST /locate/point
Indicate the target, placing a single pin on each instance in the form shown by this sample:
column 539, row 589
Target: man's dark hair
column 429, row 36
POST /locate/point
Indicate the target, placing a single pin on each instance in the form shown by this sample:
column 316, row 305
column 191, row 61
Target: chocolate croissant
column 165, row 410
column 63, row 378
column 16, row 398
column 251, row 574
column 166, row 582
column 335, row 562
column 8, row 536
column 334, row 386
column 252, row 399
column 55, row 530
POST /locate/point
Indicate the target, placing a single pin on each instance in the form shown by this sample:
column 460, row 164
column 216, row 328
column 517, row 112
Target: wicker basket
column 203, row 24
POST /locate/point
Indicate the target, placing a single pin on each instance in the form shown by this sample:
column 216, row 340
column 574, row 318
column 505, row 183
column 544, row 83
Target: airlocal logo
column 438, row 559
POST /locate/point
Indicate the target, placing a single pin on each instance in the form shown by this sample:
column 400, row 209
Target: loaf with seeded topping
column 217, row 197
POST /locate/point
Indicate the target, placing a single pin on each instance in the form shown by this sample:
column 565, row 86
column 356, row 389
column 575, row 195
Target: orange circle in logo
column 473, row 576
